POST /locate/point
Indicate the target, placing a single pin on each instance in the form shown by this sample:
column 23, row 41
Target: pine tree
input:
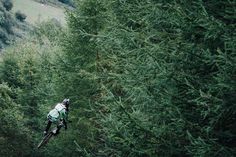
column 12, row 129
column 162, row 90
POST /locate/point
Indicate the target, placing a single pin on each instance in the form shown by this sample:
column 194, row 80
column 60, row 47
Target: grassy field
column 37, row 12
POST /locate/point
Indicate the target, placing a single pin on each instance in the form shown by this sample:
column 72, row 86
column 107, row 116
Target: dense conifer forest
column 145, row 78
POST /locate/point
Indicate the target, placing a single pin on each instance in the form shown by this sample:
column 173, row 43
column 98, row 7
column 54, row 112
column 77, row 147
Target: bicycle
column 47, row 137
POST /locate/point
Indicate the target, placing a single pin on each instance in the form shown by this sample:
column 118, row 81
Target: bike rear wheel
column 45, row 140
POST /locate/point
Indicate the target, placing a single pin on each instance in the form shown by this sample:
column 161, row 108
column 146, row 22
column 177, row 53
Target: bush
column 69, row 2
column 50, row 29
column 6, row 23
column 3, row 35
column 20, row 16
column 7, row 4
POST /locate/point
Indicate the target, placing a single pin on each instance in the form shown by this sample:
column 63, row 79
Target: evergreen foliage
column 26, row 70
column 12, row 129
column 77, row 67
column 161, row 90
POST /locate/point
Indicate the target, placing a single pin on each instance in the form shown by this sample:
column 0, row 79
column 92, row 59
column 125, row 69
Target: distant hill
column 64, row 3
column 37, row 12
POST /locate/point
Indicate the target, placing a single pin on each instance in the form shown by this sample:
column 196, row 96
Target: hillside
column 11, row 29
column 38, row 12
column 7, row 24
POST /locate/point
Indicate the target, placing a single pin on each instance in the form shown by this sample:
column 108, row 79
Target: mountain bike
column 48, row 136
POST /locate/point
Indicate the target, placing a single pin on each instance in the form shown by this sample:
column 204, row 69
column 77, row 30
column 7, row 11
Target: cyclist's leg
column 65, row 124
column 48, row 126
column 58, row 129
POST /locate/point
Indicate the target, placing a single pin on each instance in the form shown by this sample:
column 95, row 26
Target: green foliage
column 7, row 4
column 76, row 67
column 162, row 86
column 49, row 30
column 20, row 73
column 27, row 69
column 151, row 78
column 6, row 24
column 160, row 81
column 12, row 130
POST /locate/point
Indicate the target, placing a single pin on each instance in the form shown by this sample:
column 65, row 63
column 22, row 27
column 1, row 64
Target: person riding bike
column 59, row 113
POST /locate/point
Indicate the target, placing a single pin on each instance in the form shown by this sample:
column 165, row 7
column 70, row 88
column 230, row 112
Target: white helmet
column 66, row 102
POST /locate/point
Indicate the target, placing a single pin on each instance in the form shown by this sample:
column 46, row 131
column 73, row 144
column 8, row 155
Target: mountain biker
column 59, row 113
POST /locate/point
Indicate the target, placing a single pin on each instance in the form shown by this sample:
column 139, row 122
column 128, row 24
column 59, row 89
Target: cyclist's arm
column 65, row 118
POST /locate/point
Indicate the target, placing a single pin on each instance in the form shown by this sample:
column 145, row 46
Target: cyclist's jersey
column 59, row 112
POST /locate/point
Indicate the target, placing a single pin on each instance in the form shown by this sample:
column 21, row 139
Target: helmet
column 66, row 102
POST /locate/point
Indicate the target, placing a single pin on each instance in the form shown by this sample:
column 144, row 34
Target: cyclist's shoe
column 45, row 133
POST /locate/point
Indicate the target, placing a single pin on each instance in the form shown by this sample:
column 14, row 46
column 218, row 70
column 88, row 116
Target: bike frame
column 53, row 131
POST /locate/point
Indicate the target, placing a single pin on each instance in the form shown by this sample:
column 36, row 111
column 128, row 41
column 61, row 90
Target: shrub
column 7, row 4
column 6, row 23
column 69, row 2
column 20, row 16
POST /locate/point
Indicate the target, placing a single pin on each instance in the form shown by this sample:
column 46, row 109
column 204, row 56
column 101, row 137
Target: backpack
column 58, row 112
